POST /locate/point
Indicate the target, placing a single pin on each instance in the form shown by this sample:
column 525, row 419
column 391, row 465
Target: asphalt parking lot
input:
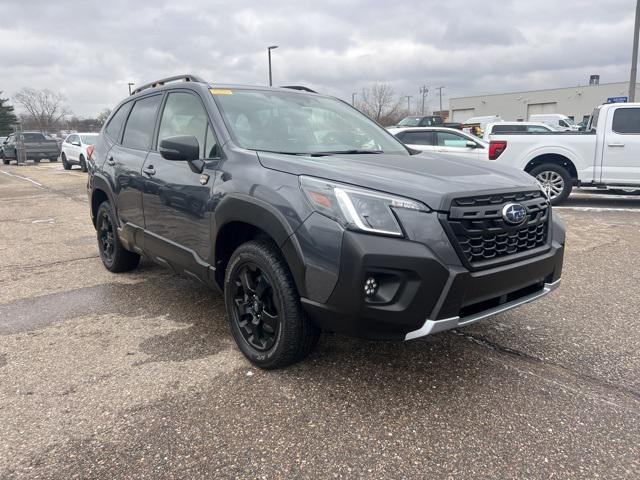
column 136, row 375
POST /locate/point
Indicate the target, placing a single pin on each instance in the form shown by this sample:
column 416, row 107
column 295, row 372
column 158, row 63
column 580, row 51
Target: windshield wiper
column 345, row 152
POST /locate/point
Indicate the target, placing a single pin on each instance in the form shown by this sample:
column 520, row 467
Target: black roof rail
column 299, row 87
column 162, row 81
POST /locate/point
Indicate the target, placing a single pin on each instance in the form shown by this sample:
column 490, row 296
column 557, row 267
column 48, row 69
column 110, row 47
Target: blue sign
column 617, row 99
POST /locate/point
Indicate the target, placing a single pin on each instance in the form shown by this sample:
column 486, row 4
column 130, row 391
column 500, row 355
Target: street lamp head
column 272, row 47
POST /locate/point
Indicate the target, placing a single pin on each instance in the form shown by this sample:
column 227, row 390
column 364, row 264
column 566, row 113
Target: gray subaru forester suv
column 308, row 215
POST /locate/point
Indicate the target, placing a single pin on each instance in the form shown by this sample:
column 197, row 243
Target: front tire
column 114, row 256
column 263, row 307
column 65, row 164
column 555, row 180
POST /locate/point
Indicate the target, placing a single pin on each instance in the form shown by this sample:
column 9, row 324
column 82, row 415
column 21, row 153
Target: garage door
column 462, row 114
column 540, row 108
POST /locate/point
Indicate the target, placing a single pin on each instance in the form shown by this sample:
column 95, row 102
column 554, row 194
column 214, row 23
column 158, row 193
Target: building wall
column 576, row 102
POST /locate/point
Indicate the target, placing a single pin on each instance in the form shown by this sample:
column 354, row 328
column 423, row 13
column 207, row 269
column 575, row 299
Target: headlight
column 357, row 208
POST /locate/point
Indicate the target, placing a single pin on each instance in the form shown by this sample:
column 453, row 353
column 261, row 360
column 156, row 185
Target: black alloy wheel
column 255, row 307
column 106, row 235
column 114, row 256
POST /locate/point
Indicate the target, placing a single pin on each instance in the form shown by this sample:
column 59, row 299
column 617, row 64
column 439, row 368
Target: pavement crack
column 59, row 262
column 560, row 370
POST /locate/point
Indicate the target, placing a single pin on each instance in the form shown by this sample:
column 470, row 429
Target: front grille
column 482, row 237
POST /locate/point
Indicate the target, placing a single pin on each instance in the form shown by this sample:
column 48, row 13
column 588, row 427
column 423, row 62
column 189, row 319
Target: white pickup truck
column 606, row 155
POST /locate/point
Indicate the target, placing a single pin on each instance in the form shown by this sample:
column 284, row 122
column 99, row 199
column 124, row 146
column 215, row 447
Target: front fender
column 264, row 216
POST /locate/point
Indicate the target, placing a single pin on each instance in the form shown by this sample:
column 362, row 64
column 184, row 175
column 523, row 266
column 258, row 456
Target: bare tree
column 102, row 116
column 44, row 108
column 379, row 102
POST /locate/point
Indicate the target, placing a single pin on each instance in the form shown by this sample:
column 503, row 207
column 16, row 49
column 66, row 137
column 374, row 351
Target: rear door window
column 142, row 120
column 626, row 120
column 418, row 138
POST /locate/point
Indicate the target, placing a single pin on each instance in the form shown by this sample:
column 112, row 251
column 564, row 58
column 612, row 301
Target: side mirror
column 180, row 148
column 471, row 144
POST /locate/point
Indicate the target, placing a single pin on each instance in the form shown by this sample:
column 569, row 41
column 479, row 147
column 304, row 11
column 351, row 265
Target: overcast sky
column 89, row 50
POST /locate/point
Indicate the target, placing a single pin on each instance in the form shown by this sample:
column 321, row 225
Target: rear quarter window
column 117, row 120
column 626, row 120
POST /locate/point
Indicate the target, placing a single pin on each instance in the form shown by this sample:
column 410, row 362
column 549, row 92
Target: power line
column 424, row 90
column 440, row 91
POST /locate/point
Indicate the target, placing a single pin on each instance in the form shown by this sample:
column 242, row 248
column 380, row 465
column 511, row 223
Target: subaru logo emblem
column 514, row 213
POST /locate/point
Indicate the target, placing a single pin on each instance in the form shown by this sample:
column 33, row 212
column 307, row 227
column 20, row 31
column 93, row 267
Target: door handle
column 616, row 144
column 111, row 161
column 149, row 170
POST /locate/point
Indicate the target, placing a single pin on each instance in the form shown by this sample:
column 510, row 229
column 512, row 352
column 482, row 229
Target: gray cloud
column 89, row 50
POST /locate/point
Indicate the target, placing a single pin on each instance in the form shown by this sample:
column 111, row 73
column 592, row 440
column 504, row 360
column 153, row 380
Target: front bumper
column 424, row 287
column 435, row 326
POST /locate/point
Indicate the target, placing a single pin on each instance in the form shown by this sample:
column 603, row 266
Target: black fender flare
column 98, row 182
column 264, row 216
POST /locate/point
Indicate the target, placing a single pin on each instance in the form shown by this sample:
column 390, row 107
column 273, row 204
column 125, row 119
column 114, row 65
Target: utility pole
column 423, row 91
column 634, row 57
column 353, row 99
column 409, row 103
column 130, row 84
column 440, row 90
column 272, row 47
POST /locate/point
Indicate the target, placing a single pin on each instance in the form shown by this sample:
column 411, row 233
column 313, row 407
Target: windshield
column 88, row 139
column 409, row 121
column 294, row 123
column 568, row 121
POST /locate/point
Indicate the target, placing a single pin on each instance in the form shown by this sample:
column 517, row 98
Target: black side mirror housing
column 180, row 148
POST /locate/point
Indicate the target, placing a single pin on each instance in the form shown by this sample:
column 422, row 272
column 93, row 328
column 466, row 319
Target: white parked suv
column 514, row 127
column 606, row 155
column 74, row 149
column 442, row 141
column 556, row 120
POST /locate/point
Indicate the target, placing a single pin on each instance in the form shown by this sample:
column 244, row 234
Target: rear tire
column 114, row 256
column 263, row 306
column 6, row 161
column 555, row 180
column 65, row 164
column 83, row 164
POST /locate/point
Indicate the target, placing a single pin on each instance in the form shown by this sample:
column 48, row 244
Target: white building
column 575, row 102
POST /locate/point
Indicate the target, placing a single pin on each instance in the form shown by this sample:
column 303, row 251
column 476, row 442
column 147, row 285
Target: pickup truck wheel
column 263, row 307
column 65, row 164
column 83, row 163
column 6, row 161
column 555, row 180
column 113, row 254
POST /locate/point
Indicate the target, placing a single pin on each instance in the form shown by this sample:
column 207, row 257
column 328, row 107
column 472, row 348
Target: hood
column 427, row 178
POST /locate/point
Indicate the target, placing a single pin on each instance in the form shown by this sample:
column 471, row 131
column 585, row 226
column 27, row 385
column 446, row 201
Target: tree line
column 45, row 111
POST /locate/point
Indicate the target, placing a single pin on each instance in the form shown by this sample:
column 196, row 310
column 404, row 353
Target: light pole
column 353, row 99
column 634, row 58
column 272, row 47
column 409, row 103
column 130, row 85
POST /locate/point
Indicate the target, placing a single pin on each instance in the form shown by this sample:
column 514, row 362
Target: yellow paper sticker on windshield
column 220, row 91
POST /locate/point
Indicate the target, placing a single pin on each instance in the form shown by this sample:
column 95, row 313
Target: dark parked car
column 309, row 216
column 36, row 146
column 421, row 121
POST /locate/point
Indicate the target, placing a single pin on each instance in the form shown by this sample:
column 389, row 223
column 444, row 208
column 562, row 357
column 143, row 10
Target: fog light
column 370, row 287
